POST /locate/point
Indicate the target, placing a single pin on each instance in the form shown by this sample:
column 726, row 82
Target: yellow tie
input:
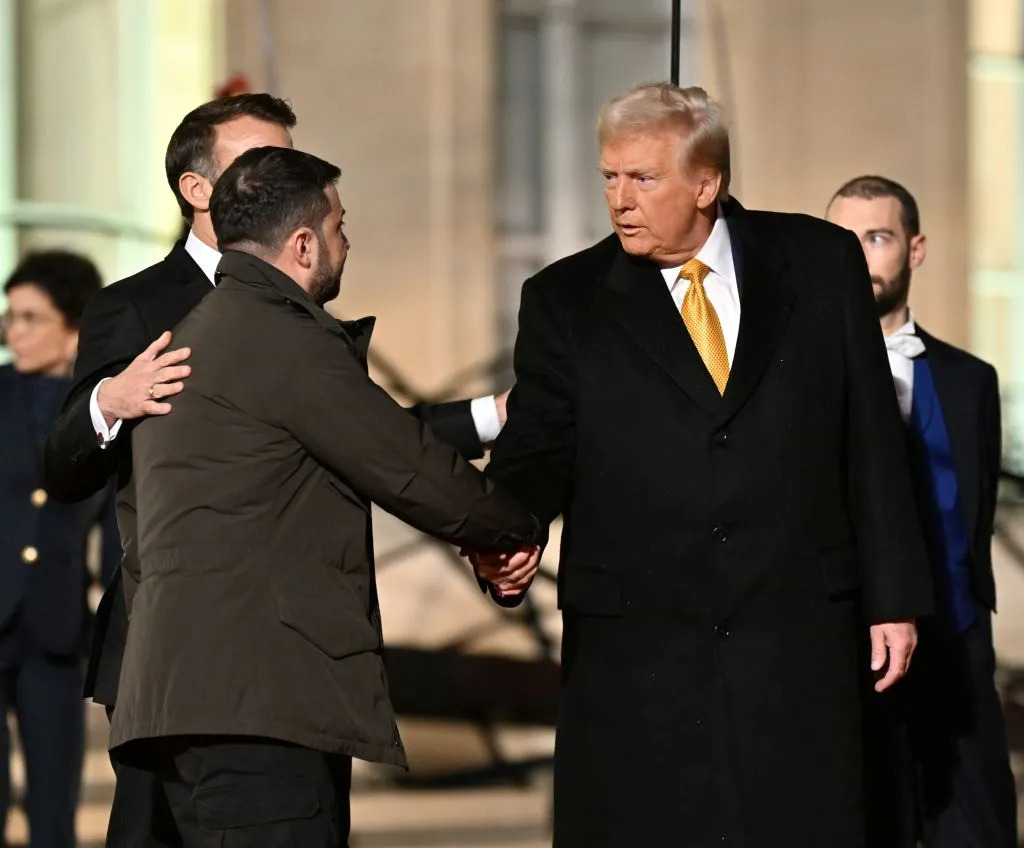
column 702, row 322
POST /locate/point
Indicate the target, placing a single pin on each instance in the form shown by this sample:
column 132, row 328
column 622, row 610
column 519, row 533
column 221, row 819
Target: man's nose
column 622, row 198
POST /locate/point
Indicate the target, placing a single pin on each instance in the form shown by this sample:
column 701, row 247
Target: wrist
column 110, row 416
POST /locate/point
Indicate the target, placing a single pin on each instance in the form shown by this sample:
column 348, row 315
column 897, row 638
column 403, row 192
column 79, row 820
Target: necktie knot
column 695, row 271
column 903, row 344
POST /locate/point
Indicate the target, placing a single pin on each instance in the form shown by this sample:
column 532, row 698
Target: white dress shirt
column 720, row 283
column 483, row 409
column 903, row 346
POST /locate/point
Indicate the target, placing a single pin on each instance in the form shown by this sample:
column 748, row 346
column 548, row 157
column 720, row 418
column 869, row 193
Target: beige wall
column 399, row 94
column 100, row 87
column 819, row 91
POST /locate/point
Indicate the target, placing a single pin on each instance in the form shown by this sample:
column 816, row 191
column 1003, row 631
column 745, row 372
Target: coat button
column 29, row 555
column 38, row 498
column 721, row 438
column 719, row 534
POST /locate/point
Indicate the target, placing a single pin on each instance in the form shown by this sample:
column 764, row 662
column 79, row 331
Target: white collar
column 716, row 252
column 908, row 329
column 206, row 257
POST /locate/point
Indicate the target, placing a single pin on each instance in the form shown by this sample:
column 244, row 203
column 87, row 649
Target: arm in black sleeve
column 112, row 334
column 894, row 567
column 533, row 456
column 110, row 538
column 993, row 435
column 452, row 423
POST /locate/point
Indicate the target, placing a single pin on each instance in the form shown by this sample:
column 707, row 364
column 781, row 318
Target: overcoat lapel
column 767, row 291
column 636, row 295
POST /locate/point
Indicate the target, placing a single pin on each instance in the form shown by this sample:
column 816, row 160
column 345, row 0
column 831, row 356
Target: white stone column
column 563, row 191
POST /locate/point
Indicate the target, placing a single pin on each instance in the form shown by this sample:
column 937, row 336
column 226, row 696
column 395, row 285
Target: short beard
column 894, row 293
column 326, row 283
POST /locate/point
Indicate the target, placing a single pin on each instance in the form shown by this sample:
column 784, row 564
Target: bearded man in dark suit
column 939, row 763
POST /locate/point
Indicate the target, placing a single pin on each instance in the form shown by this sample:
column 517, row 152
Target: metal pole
column 676, row 23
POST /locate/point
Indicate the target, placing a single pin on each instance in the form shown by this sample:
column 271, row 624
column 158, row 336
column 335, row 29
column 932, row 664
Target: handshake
column 509, row 574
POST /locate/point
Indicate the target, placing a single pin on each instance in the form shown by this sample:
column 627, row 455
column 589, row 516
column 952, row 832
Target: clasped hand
column 509, row 573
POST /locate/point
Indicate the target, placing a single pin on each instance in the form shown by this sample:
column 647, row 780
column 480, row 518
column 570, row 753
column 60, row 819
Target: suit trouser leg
column 889, row 770
column 969, row 796
column 51, row 724
column 248, row 792
column 8, row 668
column 140, row 816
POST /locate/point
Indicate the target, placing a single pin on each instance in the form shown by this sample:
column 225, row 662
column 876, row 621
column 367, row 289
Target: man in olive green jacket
column 253, row 669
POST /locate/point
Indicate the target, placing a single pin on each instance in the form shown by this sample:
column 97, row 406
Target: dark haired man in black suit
column 122, row 374
column 941, row 735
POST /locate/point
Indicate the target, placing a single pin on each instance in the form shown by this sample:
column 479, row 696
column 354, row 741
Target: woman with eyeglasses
column 44, row 579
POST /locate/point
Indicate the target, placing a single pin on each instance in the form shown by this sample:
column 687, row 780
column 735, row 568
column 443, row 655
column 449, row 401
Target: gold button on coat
column 39, row 498
column 30, row 554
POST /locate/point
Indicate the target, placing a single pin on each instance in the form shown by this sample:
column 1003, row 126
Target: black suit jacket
column 968, row 390
column 718, row 553
column 47, row 589
column 119, row 323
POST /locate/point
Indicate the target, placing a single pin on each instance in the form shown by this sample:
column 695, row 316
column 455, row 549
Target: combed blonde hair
column 689, row 111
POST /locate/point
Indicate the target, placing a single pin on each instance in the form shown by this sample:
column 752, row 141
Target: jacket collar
column 960, row 418
column 253, row 271
column 640, row 301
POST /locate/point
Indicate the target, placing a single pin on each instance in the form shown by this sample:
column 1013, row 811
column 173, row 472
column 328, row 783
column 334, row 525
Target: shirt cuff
column 485, row 418
column 104, row 435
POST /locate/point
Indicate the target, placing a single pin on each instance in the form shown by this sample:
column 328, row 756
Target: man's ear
column 707, row 193
column 196, row 190
column 918, row 251
column 303, row 246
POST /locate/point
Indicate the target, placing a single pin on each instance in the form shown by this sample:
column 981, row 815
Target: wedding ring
column 151, row 393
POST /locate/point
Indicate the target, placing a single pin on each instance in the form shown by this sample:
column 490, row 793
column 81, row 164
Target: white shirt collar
column 717, row 250
column 908, row 329
column 204, row 256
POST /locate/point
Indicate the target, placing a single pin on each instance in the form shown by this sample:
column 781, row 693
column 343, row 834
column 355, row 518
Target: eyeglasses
column 29, row 319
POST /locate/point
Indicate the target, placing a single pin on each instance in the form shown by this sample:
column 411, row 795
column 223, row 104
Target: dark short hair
column 68, row 279
column 191, row 144
column 267, row 193
column 872, row 187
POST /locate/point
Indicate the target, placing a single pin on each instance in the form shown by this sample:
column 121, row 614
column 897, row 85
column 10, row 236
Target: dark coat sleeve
column 993, row 435
column 112, row 334
column 533, row 456
column 110, row 538
column 895, row 575
column 452, row 423
column 389, row 456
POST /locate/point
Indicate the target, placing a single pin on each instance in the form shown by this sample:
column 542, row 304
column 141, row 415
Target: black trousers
column 238, row 791
column 45, row 692
column 140, row 816
column 937, row 758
